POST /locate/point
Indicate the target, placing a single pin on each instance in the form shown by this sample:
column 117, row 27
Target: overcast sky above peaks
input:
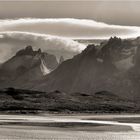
column 37, row 21
column 111, row 12
column 73, row 19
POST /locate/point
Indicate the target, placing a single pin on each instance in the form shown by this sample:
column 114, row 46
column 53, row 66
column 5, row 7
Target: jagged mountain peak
column 91, row 50
column 114, row 40
column 28, row 51
column 39, row 50
column 29, row 48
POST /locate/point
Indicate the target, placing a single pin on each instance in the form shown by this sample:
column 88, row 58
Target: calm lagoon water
column 74, row 127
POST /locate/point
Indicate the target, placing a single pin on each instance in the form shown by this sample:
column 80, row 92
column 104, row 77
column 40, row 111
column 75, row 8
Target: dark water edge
column 74, row 122
column 40, row 112
column 72, row 126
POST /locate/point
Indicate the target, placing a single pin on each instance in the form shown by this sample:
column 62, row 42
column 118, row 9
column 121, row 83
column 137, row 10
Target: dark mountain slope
column 80, row 72
column 25, row 66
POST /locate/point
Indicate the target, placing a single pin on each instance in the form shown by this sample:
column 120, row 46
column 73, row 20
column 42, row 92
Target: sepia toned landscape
column 69, row 70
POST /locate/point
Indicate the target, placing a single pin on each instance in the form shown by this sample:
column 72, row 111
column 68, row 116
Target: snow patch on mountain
column 44, row 68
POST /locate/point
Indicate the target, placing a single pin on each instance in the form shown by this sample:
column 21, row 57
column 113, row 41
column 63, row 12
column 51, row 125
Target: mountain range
column 112, row 66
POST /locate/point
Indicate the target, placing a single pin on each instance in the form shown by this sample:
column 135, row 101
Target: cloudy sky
column 79, row 19
column 69, row 27
column 30, row 22
column 112, row 12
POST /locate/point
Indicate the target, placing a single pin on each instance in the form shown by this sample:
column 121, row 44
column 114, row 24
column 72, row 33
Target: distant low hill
column 27, row 101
